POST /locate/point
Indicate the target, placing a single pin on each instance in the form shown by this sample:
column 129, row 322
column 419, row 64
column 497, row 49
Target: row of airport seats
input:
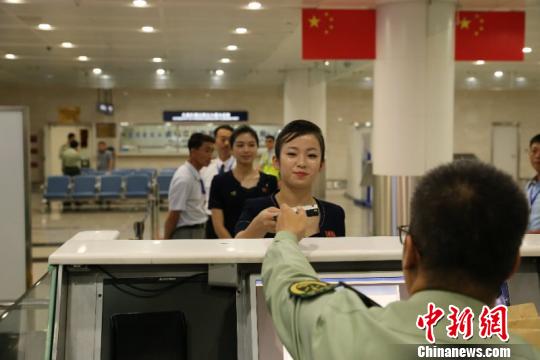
column 118, row 184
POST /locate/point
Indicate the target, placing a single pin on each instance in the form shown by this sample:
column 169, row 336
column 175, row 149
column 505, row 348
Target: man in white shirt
column 533, row 186
column 223, row 163
column 187, row 200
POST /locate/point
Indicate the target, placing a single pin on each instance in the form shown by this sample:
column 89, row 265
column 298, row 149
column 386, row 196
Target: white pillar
column 414, row 86
column 305, row 98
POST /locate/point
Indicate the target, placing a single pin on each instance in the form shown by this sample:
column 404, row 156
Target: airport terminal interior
column 142, row 76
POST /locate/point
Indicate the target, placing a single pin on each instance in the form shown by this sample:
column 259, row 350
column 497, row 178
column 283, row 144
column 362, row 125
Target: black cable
column 116, row 283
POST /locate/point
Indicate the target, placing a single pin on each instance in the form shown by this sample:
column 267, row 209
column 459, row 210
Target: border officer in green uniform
column 467, row 224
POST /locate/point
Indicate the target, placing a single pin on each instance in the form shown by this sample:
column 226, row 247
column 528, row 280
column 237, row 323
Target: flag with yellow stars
column 490, row 35
column 329, row 34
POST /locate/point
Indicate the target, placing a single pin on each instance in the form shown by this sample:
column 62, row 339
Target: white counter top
column 85, row 251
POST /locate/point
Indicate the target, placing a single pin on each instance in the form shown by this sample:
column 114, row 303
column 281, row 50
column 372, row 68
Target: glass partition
column 170, row 138
column 24, row 326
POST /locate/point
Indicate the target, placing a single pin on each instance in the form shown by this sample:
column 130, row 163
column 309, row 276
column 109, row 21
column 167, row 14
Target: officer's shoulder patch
column 310, row 288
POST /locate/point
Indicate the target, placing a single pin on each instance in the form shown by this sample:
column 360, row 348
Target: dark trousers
column 72, row 170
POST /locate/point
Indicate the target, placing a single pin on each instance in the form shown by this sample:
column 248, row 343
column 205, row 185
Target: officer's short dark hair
column 196, row 140
column 71, row 136
column 226, row 127
column 535, row 139
column 271, row 137
column 297, row 128
column 468, row 218
column 244, row 129
column 73, row 144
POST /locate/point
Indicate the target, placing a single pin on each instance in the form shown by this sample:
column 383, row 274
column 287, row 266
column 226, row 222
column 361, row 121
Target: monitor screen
column 383, row 288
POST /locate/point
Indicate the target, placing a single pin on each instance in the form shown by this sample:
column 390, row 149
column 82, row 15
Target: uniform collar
column 193, row 170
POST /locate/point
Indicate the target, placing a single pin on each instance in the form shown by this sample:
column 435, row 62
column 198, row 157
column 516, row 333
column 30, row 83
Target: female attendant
column 230, row 190
column 299, row 159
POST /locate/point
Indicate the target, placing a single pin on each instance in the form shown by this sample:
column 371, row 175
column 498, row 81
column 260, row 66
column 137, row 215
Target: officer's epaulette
column 307, row 289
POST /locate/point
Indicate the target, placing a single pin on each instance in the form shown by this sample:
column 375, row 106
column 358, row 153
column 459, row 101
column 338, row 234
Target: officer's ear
column 411, row 256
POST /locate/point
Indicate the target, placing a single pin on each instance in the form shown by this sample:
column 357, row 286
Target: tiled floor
column 51, row 229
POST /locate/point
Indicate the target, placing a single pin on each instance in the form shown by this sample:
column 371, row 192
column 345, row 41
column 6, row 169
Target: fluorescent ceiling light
column 67, row 45
column 160, row 71
column 148, row 29
column 327, row 63
column 105, row 76
column 225, row 60
column 97, row 71
column 498, row 74
column 140, row 3
column 220, row 72
column 254, row 5
column 241, row 30
column 471, row 79
column 479, row 62
column 157, row 59
column 232, row 48
column 526, row 50
column 10, row 56
column 82, row 58
column 521, row 79
column 45, row 27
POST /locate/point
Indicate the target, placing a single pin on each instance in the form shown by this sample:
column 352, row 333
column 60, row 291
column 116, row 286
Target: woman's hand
column 293, row 220
column 265, row 221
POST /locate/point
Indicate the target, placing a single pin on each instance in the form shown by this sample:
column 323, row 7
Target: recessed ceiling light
column 368, row 124
column 82, row 58
column 148, row 29
column 160, row 71
column 225, row 60
column 521, row 79
column 254, row 5
column 45, row 27
column 241, row 30
column 327, row 63
column 232, row 47
column 14, row 1
column 105, row 76
column 498, row 74
column 471, row 79
column 67, row 45
column 157, row 59
column 367, row 78
column 526, row 50
column 96, row 71
column 139, row 3
column 220, row 72
column 479, row 62
column 10, row 56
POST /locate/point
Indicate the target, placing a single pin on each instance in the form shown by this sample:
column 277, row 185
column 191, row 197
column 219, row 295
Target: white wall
column 474, row 112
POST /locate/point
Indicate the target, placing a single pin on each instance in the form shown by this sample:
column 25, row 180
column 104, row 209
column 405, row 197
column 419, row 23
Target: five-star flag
column 490, row 35
column 338, row 34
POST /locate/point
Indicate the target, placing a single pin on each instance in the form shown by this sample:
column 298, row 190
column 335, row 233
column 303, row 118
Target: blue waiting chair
column 111, row 187
column 137, row 186
column 164, row 182
column 84, row 187
column 57, row 188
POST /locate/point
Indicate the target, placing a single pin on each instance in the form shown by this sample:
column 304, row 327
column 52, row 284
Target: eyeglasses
column 403, row 231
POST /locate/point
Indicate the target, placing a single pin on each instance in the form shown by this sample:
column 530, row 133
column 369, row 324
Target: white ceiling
column 192, row 35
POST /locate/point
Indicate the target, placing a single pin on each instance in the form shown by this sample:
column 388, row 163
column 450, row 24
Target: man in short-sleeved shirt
column 533, row 186
column 104, row 158
column 187, row 201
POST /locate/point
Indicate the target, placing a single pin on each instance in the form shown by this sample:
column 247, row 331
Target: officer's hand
column 293, row 220
column 265, row 221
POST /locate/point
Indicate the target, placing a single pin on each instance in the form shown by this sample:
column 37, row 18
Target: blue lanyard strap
column 533, row 195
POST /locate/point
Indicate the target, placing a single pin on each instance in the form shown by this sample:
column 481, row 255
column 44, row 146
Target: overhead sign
column 205, row 116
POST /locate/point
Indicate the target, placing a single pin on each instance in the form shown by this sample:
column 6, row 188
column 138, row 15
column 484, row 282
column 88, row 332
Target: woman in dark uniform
column 300, row 157
column 230, row 190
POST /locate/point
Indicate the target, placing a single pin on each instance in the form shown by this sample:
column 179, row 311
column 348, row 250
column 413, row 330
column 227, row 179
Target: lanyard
column 533, row 195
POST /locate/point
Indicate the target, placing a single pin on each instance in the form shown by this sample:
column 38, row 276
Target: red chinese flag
column 338, row 34
column 490, row 35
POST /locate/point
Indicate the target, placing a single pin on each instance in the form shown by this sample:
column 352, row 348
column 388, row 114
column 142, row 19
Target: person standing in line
column 533, row 186
column 187, row 201
column 64, row 147
column 299, row 158
column 104, row 158
column 71, row 158
column 266, row 164
column 230, row 190
column 223, row 163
